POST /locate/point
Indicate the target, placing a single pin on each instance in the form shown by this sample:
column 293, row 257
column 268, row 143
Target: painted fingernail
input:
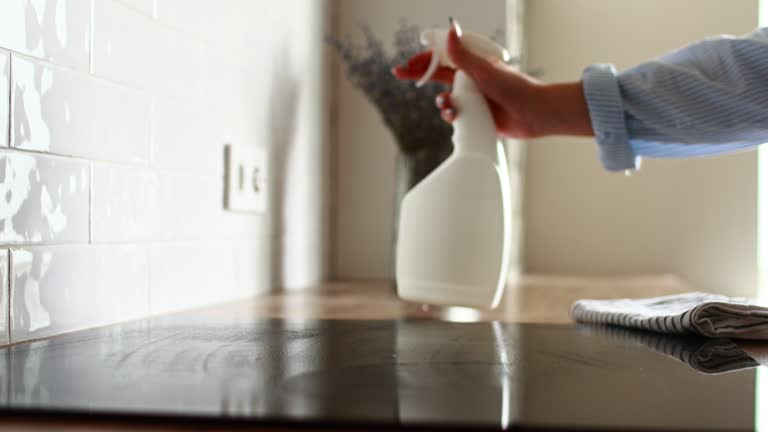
column 454, row 23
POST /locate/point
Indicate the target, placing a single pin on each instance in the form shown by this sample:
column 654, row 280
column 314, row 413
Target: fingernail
column 454, row 23
column 440, row 101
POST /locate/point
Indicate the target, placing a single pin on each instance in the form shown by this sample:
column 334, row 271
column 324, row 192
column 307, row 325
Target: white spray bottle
column 454, row 235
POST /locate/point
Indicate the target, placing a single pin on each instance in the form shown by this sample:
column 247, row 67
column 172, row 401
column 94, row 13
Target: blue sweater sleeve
column 708, row 98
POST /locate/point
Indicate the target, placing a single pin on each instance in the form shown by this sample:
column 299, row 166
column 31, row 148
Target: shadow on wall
column 285, row 90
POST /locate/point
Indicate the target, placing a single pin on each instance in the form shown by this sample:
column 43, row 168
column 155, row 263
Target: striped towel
column 700, row 313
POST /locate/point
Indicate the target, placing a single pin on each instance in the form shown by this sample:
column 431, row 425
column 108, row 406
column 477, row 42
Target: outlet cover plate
column 245, row 178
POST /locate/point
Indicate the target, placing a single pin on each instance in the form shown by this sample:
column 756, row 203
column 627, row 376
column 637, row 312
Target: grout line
column 46, row 154
column 90, row 203
column 83, row 73
column 8, row 365
column 145, row 91
column 146, row 243
column 91, row 38
column 104, row 162
column 13, row 55
column 44, row 61
column 123, row 85
column 89, row 67
column 9, row 262
column 10, row 101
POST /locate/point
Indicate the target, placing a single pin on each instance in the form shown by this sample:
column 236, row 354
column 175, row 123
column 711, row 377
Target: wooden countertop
column 534, row 299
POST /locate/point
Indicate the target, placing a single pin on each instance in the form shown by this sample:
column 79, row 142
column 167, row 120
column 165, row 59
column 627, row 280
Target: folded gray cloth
column 705, row 314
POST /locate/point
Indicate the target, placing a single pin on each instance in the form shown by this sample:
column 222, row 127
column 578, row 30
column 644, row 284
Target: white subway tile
column 57, row 289
column 44, row 199
column 122, row 201
column 189, row 15
column 182, row 139
column 5, row 88
column 4, row 295
column 181, row 277
column 184, row 276
column 136, row 204
column 240, row 225
column 131, row 48
column 147, row 7
column 187, row 207
column 53, row 30
column 167, row 204
column 254, row 266
column 69, row 113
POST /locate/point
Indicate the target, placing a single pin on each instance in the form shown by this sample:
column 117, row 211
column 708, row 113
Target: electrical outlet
column 245, row 178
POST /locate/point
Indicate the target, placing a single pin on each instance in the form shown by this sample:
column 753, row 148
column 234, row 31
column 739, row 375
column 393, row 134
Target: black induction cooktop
column 389, row 374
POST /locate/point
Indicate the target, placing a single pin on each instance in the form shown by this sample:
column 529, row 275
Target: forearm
column 562, row 110
column 705, row 99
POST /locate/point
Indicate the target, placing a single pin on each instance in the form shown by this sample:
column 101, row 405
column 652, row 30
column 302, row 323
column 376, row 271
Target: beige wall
column 696, row 218
column 365, row 151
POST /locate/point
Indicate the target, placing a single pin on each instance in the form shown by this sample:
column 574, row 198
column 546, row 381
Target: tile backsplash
column 56, row 31
column 5, row 88
column 60, row 288
column 45, row 199
column 113, row 119
column 69, row 113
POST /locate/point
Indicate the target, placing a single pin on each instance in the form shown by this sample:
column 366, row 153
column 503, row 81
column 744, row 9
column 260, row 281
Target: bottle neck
column 474, row 130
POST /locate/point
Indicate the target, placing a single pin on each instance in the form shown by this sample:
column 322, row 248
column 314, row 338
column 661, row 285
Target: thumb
column 477, row 67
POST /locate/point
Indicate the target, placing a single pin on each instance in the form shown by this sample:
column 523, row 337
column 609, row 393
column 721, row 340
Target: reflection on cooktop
column 399, row 373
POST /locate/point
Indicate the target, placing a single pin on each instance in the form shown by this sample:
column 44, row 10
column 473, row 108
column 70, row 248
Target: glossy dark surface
column 398, row 373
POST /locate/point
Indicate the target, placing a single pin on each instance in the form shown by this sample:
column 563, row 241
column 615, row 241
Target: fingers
column 448, row 115
column 447, row 109
column 417, row 66
column 443, row 100
column 474, row 65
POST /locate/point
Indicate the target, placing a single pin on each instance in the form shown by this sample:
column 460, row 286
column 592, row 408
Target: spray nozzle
column 437, row 40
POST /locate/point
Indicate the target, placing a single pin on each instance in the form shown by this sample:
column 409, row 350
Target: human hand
column 522, row 107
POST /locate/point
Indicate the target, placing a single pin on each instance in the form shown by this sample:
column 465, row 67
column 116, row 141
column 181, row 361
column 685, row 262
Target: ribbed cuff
column 606, row 110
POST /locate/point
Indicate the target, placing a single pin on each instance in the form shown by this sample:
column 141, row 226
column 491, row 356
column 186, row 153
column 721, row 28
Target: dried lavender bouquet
column 408, row 111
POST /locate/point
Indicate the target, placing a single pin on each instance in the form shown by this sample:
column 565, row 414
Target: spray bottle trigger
column 428, row 38
column 436, row 40
column 430, row 70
